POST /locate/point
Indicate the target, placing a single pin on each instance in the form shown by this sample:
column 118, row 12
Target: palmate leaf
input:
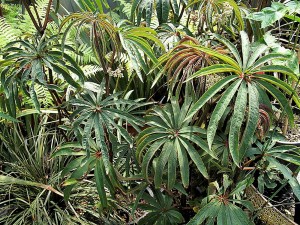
column 169, row 142
column 257, row 86
column 159, row 210
column 223, row 214
column 35, row 59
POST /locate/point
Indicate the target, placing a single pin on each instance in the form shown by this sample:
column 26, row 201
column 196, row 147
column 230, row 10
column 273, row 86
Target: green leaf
column 7, row 117
column 66, row 75
column 279, row 69
column 183, row 163
column 208, row 95
column 287, row 174
column 7, row 180
column 279, row 96
column 256, row 52
column 269, row 15
column 68, row 152
column 265, row 59
column 218, row 55
column 100, row 177
column 236, row 122
column 241, row 185
column 231, row 47
column 149, row 155
column 245, row 48
column 162, row 9
column 238, row 215
column 282, row 85
column 210, row 210
column 161, row 163
column 220, row 109
column 252, row 119
column 195, row 156
column 172, row 165
column 237, row 12
column 214, row 69
column 72, row 165
column 69, row 182
column 290, row 158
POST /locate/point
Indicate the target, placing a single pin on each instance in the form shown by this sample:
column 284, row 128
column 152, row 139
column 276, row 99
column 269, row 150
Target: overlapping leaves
column 171, row 141
column 28, row 63
column 249, row 84
column 97, row 116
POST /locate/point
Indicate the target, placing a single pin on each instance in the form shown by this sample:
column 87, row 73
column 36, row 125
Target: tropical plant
column 180, row 63
column 221, row 206
column 270, row 163
column 277, row 11
column 163, row 8
column 30, row 182
column 217, row 15
column 171, row 134
column 108, row 115
column 95, row 121
column 249, row 84
column 31, row 62
column 160, row 210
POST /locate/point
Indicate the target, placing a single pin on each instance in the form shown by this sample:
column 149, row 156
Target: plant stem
column 37, row 14
column 47, row 15
column 31, row 16
column 100, row 56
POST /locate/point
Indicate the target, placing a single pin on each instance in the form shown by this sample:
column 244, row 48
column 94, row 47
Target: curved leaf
column 236, row 122
column 252, row 119
column 209, row 94
column 219, row 110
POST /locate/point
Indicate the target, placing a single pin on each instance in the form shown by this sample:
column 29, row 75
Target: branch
column 31, row 16
column 47, row 15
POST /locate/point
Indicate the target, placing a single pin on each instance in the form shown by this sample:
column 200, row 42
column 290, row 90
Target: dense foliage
column 145, row 111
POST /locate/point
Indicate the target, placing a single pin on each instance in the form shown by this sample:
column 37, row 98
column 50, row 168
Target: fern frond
column 91, row 70
column 84, row 55
column 43, row 95
column 7, row 33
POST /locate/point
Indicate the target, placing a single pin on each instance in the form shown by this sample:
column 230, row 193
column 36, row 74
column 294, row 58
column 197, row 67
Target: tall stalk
column 36, row 19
